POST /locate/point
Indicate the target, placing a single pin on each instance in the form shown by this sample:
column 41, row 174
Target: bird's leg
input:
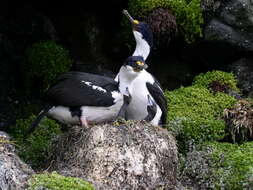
column 83, row 121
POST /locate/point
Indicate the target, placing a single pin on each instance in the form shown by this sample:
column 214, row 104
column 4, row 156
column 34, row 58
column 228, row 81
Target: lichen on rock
column 122, row 155
column 14, row 173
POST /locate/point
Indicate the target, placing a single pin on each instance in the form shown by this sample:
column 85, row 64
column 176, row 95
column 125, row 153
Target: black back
column 158, row 95
column 74, row 89
column 152, row 109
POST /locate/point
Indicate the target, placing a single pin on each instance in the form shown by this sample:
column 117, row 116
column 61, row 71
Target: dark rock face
column 13, row 172
column 132, row 155
column 232, row 24
column 22, row 27
column 243, row 70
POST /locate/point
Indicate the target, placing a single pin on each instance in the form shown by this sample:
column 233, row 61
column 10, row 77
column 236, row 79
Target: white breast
column 103, row 114
column 137, row 109
column 63, row 115
column 92, row 113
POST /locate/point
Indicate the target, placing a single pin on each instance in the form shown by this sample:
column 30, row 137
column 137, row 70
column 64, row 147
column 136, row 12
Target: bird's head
column 140, row 29
column 135, row 64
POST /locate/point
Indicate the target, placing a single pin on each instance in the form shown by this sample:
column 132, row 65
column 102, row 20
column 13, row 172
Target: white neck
column 125, row 78
column 142, row 47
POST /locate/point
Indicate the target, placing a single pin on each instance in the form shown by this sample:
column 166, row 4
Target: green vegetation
column 46, row 60
column 195, row 115
column 34, row 149
column 54, row 181
column 188, row 14
column 228, row 166
column 239, row 120
column 224, row 78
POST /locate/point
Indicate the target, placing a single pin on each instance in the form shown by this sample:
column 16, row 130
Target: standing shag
column 145, row 85
column 82, row 98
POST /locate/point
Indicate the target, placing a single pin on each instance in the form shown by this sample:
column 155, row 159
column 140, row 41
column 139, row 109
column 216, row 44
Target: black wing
column 74, row 89
column 157, row 93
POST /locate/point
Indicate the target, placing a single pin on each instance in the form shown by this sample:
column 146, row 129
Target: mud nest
column 163, row 24
column 239, row 120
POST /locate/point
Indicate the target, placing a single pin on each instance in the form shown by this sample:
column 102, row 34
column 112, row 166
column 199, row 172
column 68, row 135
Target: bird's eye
column 139, row 63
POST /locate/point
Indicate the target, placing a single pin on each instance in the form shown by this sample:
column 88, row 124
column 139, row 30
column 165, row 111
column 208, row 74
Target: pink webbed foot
column 84, row 121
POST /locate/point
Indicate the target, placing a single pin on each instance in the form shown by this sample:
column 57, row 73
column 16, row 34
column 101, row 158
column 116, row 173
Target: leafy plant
column 46, row 60
column 188, row 14
column 217, row 165
column 224, row 78
column 239, row 120
column 35, row 148
column 195, row 115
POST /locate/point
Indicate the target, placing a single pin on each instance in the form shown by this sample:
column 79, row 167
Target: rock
column 127, row 155
column 232, row 24
column 243, row 69
column 13, row 172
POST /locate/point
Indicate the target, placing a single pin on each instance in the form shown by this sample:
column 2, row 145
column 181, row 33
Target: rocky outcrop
column 243, row 70
column 13, row 172
column 127, row 155
column 231, row 23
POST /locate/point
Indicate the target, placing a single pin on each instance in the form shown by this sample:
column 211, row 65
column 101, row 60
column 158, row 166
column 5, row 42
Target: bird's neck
column 142, row 47
column 124, row 79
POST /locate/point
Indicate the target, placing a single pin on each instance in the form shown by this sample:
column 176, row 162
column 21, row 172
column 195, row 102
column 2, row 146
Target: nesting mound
column 163, row 24
column 239, row 120
column 120, row 155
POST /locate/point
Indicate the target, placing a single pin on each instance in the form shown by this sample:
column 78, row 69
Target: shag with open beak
column 143, row 36
column 145, row 85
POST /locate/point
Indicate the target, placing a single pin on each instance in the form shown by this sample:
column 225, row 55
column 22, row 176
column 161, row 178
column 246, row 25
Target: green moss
column 188, row 14
column 228, row 166
column 46, row 60
column 194, row 114
column 205, row 79
column 35, row 148
column 54, row 181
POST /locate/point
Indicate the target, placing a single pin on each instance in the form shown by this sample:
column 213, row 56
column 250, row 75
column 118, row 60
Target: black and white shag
column 145, row 85
column 83, row 98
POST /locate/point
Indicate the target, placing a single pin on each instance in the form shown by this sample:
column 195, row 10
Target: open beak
column 134, row 22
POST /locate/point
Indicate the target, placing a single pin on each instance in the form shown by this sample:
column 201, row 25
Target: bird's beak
column 133, row 21
column 140, row 66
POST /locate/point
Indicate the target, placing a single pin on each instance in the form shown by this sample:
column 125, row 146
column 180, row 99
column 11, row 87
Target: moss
column 46, row 60
column 188, row 14
column 224, row 78
column 54, row 181
column 34, row 149
column 222, row 166
column 195, row 114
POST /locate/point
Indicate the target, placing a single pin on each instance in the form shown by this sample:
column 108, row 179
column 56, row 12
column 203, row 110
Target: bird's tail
column 35, row 123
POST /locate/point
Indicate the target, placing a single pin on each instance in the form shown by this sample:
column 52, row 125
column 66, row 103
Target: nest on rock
column 239, row 120
column 118, row 155
column 163, row 24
